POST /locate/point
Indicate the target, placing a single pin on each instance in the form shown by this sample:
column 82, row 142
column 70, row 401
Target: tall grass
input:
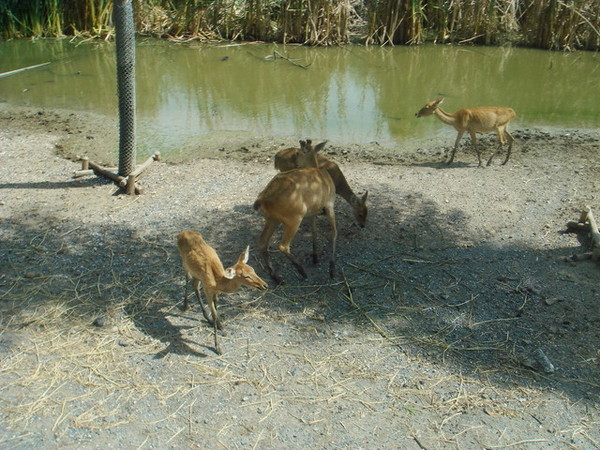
column 54, row 18
column 551, row 24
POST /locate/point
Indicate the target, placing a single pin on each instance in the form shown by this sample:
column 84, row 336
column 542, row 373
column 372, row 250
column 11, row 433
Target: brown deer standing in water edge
column 483, row 119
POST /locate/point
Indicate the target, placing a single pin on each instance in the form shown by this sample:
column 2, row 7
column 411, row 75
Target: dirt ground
column 430, row 336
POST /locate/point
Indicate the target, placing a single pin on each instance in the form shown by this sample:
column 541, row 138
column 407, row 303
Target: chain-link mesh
column 125, row 39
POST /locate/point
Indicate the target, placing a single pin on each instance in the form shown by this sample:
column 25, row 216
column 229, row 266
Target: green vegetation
column 550, row 24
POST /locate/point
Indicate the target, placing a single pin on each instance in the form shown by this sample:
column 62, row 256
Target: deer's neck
column 227, row 285
column 447, row 118
column 342, row 188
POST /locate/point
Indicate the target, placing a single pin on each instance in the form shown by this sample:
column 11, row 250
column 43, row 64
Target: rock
column 539, row 362
column 100, row 322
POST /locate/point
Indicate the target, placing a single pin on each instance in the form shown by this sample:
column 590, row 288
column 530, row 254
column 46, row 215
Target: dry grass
column 79, row 376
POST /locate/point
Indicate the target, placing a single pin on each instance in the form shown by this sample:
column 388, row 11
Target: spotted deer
column 290, row 197
column 293, row 158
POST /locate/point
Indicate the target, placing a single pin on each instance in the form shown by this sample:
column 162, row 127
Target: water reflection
column 348, row 94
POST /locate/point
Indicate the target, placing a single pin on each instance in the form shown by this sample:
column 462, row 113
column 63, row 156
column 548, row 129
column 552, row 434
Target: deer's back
column 199, row 259
column 287, row 159
column 297, row 192
column 485, row 118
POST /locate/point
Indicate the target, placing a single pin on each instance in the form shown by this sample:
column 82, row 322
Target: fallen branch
column 588, row 223
column 13, row 72
column 291, row 61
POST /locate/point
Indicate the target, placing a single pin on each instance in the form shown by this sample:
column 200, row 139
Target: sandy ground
column 429, row 337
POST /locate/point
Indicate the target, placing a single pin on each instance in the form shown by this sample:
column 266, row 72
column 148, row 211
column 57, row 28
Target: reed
column 550, row 24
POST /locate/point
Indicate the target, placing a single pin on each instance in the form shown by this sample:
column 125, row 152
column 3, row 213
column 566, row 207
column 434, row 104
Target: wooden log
column 587, row 222
column 83, row 173
column 102, row 171
column 130, row 185
column 145, row 164
column 595, row 234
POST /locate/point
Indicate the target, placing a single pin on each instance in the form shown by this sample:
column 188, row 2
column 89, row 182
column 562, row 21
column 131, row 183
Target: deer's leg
column 196, row 284
column 313, row 226
column 460, row 135
column 185, row 292
column 510, row 143
column 289, row 231
column 263, row 247
column 212, row 302
column 331, row 216
column 500, row 131
column 211, row 298
column 475, row 146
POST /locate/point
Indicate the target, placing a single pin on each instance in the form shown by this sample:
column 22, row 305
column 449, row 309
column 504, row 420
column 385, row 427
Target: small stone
column 100, row 322
column 545, row 363
column 553, row 300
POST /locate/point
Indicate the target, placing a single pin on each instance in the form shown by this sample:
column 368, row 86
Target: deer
column 290, row 197
column 293, row 158
column 201, row 264
column 483, row 119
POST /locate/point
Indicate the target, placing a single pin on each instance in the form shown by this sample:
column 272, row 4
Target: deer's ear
column 230, row 273
column 244, row 256
column 439, row 100
column 364, row 197
column 320, row 146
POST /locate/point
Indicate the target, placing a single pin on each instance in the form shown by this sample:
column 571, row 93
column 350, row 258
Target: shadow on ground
column 410, row 276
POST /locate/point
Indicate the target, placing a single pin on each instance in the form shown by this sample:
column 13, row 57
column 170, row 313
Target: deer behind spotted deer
column 483, row 119
column 287, row 199
column 293, row 158
column 202, row 265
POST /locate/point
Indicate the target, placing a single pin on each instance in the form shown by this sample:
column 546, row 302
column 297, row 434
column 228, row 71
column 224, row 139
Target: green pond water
column 349, row 94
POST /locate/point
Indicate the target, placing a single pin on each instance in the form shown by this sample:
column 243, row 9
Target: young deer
column 483, row 119
column 293, row 158
column 202, row 265
column 288, row 198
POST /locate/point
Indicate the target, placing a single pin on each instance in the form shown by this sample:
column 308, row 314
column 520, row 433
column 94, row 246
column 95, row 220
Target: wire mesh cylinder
column 125, row 41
